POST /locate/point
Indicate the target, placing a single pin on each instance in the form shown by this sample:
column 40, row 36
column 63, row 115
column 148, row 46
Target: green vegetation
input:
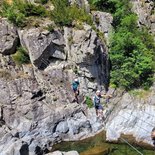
column 140, row 94
column 21, row 56
column 79, row 25
column 131, row 48
column 18, row 10
column 89, row 102
column 64, row 14
column 50, row 28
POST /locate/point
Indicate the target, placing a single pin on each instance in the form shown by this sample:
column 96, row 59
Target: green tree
column 131, row 48
column 131, row 55
column 21, row 56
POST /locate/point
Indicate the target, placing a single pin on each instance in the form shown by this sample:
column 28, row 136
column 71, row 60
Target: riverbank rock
column 64, row 153
column 132, row 116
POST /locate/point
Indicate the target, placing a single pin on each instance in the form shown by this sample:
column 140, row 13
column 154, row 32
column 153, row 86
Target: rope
column 127, row 142
column 124, row 140
column 131, row 146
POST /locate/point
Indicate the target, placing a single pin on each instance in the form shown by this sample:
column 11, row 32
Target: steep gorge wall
column 35, row 98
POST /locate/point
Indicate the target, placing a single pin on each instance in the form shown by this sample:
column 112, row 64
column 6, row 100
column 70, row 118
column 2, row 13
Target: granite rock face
column 8, row 37
column 132, row 115
column 67, row 53
column 36, row 109
column 43, row 45
column 103, row 22
column 35, row 125
column 145, row 11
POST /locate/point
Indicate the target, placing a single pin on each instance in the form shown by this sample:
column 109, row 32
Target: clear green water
column 98, row 146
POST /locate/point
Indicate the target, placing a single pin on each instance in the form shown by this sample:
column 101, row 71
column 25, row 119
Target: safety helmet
column 76, row 80
column 98, row 92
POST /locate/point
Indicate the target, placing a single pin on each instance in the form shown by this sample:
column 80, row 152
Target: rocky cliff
column 35, row 98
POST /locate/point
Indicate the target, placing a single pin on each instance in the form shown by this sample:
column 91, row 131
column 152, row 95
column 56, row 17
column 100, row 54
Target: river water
column 98, row 146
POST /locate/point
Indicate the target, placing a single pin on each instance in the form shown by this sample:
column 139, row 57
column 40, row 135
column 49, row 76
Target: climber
column 97, row 104
column 153, row 135
column 75, row 88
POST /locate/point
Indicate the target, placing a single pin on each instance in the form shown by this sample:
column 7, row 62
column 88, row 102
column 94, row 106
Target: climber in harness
column 153, row 135
column 75, row 88
column 97, row 104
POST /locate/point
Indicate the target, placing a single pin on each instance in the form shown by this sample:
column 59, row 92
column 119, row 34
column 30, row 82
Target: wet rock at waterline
column 64, row 153
column 133, row 115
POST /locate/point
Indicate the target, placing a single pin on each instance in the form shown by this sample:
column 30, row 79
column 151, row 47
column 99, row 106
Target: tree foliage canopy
column 131, row 48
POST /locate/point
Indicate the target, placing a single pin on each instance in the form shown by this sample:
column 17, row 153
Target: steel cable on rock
column 124, row 140
column 135, row 125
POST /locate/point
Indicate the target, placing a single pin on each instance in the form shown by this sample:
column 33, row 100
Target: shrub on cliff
column 89, row 102
column 64, row 14
column 21, row 56
column 18, row 10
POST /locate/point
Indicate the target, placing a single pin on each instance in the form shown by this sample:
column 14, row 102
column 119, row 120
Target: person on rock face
column 97, row 104
column 75, row 88
column 153, row 135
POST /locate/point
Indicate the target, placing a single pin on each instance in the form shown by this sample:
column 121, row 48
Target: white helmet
column 98, row 91
column 76, row 80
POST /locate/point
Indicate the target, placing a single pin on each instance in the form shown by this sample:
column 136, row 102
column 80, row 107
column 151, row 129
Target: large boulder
column 62, row 127
column 8, row 37
column 43, row 46
column 15, row 147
